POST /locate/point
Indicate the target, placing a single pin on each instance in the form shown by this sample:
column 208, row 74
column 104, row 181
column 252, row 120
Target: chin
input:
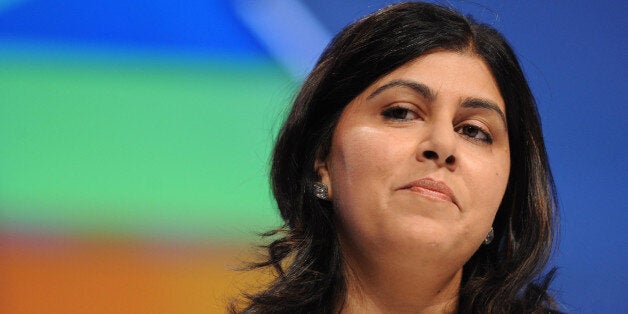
column 412, row 205
column 425, row 233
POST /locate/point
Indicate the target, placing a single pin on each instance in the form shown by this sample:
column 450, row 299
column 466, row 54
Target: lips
column 431, row 188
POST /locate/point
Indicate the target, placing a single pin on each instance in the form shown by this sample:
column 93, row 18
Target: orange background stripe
column 65, row 275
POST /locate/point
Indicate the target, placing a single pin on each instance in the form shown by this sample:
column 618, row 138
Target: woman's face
column 419, row 162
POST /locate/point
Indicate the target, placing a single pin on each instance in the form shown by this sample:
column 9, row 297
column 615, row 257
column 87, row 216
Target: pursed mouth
column 432, row 189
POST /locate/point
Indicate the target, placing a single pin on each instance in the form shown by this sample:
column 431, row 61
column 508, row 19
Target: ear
column 322, row 170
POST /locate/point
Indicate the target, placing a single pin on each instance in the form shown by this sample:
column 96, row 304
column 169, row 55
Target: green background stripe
column 149, row 146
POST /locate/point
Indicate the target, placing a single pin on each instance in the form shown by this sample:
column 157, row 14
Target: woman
column 412, row 175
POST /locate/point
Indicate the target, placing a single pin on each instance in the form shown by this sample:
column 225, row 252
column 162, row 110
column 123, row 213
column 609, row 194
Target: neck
column 385, row 288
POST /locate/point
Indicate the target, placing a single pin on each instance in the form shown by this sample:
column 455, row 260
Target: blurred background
column 135, row 138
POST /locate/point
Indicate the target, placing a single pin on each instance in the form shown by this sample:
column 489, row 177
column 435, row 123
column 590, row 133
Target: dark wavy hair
column 505, row 277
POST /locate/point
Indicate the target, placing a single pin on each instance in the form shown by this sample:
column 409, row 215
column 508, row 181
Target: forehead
column 447, row 73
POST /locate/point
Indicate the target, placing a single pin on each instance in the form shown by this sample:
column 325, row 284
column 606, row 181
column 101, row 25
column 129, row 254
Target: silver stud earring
column 489, row 237
column 320, row 191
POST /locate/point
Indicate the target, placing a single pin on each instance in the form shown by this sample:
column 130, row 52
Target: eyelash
column 486, row 138
column 395, row 113
column 389, row 113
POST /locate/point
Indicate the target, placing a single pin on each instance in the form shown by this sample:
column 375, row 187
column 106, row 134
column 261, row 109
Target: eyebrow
column 416, row 86
column 484, row 104
column 430, row 95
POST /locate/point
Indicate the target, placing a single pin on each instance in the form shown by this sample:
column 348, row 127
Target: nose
column 438, row 144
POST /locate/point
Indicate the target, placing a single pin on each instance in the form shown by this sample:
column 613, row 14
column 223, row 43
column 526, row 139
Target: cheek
column 363, row 163
column 487, row 179
column 501, row 173
column 363, row 156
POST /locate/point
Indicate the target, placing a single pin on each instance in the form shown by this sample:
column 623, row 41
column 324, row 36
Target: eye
column 399, row 113
column 475, row 133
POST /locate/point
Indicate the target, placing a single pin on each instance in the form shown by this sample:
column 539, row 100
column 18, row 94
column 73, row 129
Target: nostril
column 450, row 160
column 430, row 154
